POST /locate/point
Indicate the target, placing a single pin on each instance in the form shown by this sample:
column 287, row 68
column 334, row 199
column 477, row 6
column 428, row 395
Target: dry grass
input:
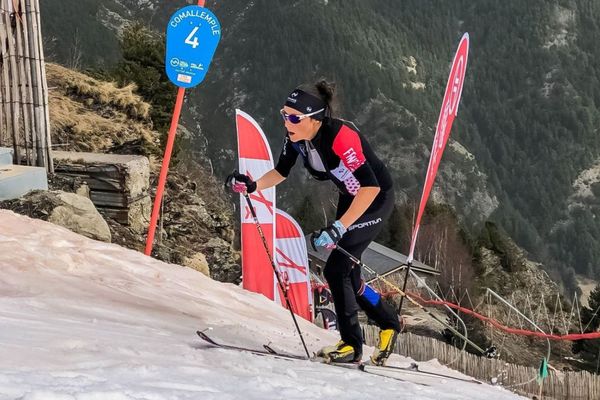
column 98, row 93
column 94, row 116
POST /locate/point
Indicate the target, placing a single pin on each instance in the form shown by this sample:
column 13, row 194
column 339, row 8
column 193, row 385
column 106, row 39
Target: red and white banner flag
column 283, row 235
column 255, row 159
column 442, row 132
column 291, row 258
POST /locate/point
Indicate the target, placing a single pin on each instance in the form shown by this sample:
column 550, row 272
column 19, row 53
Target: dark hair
column 323, row 90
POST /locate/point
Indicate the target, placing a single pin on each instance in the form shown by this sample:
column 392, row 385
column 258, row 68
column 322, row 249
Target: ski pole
column 408, row 265
column 279, row 282
column 403, row 293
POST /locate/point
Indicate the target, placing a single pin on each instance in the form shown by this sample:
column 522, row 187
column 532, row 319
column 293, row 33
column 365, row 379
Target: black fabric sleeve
column 287, row 158
column 365, row 176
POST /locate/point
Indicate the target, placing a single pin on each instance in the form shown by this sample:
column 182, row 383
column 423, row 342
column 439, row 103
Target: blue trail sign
column 193, row 34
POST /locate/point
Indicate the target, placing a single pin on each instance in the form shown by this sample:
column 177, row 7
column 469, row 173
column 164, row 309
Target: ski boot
column 385, row 346
column 340, row 353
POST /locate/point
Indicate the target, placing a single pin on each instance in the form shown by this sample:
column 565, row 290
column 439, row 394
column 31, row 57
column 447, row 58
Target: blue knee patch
column 371, row 295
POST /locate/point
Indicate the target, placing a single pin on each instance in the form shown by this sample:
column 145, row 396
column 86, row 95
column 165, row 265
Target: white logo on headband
column 308, row 109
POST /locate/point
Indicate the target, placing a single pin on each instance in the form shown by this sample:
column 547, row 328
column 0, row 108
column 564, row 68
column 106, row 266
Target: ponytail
column 325, row 91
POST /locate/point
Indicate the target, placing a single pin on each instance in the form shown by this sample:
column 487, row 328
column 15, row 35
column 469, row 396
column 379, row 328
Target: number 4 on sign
column 191, row 39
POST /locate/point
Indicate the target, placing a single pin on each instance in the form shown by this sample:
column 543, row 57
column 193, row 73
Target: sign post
column 193, row 34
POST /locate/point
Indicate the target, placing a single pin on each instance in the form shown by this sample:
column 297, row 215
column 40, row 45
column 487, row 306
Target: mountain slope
column 528, row 117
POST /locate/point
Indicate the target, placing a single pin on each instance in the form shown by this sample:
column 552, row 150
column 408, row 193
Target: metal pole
column 279, row 282
column 408, row 265
column 165, row 166
column 162, row 179
column 525, row 317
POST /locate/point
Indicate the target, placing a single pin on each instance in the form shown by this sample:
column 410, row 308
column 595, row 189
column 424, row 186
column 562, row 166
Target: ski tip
column 204, row 336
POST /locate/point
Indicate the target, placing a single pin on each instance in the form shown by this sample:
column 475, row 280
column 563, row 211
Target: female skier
column 334, row 149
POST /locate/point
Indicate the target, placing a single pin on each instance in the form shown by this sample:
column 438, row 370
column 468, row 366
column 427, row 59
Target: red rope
column 496, row 324
column 319, row 286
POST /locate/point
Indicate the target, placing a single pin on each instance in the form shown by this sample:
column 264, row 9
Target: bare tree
column 75, row 53
column 441, row 246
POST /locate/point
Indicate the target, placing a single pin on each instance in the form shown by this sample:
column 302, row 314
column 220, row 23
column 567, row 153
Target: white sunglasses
column 296, row 118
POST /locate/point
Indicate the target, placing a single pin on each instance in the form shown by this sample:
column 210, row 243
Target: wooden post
column 28, row 107
column 6, row 93
column 24, row 114
column 46, row 111
column 36, row 78
column 3, row 129
column 23, row 83
column 14, row 83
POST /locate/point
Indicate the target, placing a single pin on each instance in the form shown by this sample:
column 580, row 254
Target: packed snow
column 86, row 320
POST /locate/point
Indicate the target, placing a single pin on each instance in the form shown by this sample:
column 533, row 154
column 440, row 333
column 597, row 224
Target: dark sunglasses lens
column 294, row 119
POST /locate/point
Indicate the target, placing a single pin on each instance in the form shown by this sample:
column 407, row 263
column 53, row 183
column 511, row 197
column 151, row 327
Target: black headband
column 306, row 103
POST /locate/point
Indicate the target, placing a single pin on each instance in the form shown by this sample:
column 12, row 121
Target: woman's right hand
column 240, row 183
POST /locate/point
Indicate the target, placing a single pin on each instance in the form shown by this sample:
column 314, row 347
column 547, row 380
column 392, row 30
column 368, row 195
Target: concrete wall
column 6, row 156
column 17, row 180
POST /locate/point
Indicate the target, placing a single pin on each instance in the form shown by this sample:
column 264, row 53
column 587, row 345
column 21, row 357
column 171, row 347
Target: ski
column 282, row 354
column 414, row 368
column 267, row 351
column 366, row 368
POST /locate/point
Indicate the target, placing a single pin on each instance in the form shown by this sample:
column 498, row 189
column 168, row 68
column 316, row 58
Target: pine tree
column 589, row 350
column 143, row 63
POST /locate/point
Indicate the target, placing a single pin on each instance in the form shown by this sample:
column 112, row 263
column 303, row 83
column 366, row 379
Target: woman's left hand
column 329, row 236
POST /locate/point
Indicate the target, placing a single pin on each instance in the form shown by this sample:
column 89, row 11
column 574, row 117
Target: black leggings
column 344, row 277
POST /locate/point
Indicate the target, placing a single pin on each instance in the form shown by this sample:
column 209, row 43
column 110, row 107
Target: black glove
column 329, row 236
column 240, row 183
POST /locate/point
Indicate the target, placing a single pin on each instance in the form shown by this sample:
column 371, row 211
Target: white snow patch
column 85, row 320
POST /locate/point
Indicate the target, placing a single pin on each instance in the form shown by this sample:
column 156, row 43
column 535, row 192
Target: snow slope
column 86, row 320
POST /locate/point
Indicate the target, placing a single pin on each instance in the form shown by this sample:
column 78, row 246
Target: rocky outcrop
column 198, row 262
column 562, row 26
column 69, row 210
column 89, row 115
column 192, row 225
column 586, row 188
column 194, row 232
column 505, row 269
column 78, row 214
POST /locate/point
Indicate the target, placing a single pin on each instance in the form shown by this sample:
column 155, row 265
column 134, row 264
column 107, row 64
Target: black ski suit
column 341, row 154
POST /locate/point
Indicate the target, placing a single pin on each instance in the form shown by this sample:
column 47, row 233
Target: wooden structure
column 520, row 379
column 119, row 184
column 24, row 115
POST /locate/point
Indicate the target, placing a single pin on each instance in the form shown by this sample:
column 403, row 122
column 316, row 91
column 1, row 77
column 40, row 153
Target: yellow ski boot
column 339, row 353
column 385, row 346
